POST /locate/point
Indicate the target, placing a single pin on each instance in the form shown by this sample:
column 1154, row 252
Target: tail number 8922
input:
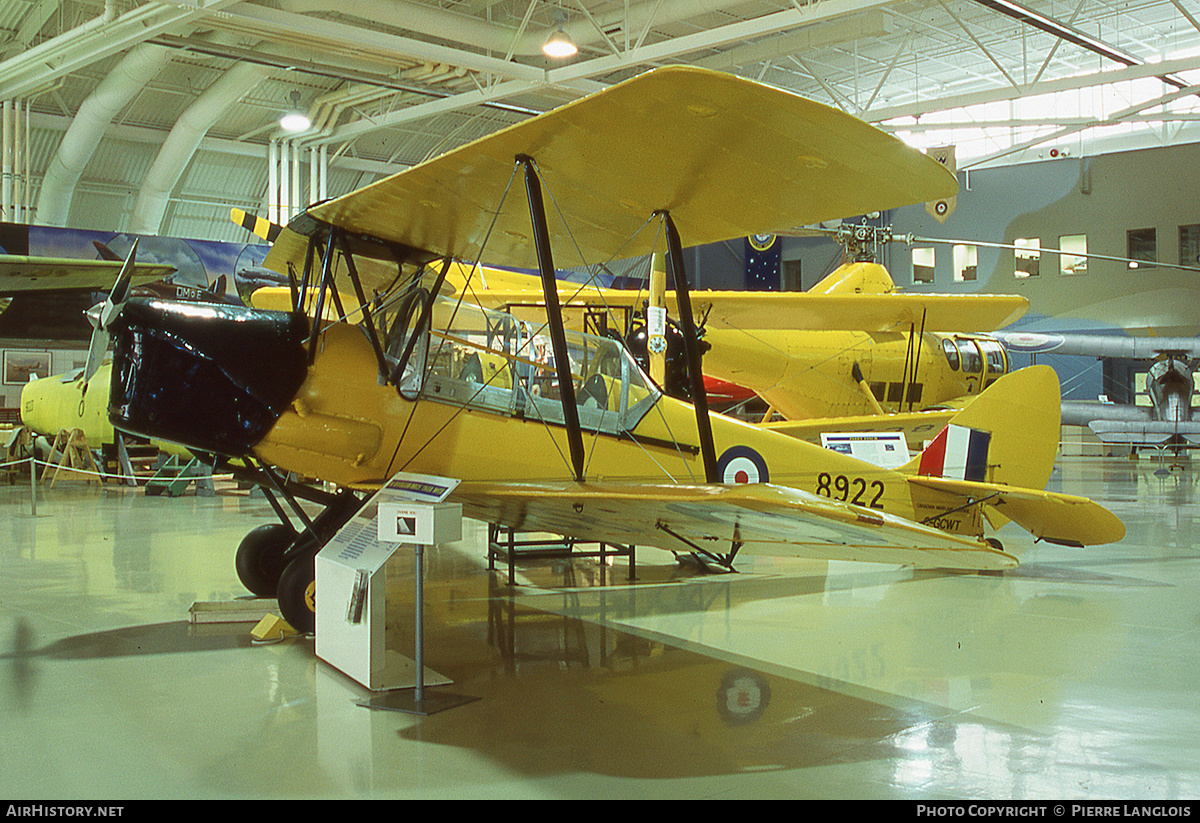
column 856, row 491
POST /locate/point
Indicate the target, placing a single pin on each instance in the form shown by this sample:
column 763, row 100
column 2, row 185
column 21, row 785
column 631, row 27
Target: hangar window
column 966, row 263
column 1073, row 259
column 922, row 263
column 1189, row 245
column 1027, row 257
column 1141, row 246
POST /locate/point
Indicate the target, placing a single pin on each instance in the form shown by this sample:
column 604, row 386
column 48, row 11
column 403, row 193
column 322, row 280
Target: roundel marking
column 742, row 464
column 762, row 242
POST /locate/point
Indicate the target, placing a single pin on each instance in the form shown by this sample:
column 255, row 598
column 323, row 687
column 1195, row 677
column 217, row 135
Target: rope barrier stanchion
column 33, row 462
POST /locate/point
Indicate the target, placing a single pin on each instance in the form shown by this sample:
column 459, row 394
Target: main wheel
column 297, row 593
column 259, row 561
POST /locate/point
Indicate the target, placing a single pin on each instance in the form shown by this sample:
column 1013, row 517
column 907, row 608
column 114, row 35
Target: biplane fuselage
column 769, row 343
column 486, row 413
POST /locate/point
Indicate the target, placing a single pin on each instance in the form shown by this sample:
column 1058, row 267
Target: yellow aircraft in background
column 851, row 354
column 63, row 402
column 555, row 430
column 909, row 369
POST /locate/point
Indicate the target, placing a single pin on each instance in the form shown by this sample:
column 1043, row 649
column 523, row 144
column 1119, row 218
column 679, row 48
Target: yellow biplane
column 555, row 430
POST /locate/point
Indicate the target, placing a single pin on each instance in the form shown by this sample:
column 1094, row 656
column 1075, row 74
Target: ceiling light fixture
column 559, row 45
column 294, row 120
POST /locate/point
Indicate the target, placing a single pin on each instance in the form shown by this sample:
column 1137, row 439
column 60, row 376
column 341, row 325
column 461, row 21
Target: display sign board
column 423, row 523
column 350, row 606
column 888, row 450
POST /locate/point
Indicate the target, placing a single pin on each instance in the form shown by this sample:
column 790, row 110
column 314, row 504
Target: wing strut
column 362, row 300
column 691, row 347
column 725, row 561
column 426, row 311
column 558, row 338
column 326, row 282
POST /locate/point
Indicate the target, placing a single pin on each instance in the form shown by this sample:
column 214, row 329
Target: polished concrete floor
column 1074, row 676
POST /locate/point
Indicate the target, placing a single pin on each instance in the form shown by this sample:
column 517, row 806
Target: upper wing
column 764, row 519
column 726, row 157
column 860, row 312
column 19, row 273
column 768, row 310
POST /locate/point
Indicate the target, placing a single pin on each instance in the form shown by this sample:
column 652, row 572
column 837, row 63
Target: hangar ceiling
column 157, row 116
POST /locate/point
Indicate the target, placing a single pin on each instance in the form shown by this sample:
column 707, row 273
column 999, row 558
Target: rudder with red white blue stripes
column 957, row 453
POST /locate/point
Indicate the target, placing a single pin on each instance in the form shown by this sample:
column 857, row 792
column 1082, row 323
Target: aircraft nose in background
column 212, row 377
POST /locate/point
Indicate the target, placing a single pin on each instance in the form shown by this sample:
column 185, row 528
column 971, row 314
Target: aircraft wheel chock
column 259, row 561
column 297, row 594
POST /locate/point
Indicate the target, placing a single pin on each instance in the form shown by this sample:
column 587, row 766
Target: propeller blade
column 120, row 291
column 108, row 312
column 96, row 351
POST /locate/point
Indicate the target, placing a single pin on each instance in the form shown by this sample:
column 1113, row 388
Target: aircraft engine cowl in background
column 212, row 377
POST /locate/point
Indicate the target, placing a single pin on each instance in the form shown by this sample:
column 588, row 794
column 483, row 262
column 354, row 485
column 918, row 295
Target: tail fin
column 856, row 278
column 1008, row 434
column 999, row 451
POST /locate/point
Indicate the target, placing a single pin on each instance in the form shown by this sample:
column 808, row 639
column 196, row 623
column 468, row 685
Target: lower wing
column 759, row 519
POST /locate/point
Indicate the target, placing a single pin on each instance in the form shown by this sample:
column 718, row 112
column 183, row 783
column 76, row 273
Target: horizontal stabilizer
column 1083, row 412
column 1050, row 516
column 916, row 426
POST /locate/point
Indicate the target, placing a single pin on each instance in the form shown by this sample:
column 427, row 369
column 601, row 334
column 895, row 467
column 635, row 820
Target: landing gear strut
column 277, row 560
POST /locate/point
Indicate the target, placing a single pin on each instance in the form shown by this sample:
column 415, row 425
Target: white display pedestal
column 351, row 597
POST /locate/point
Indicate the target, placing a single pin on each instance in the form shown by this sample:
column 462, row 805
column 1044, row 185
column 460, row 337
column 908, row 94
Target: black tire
column 297, row 594
column 260, row 558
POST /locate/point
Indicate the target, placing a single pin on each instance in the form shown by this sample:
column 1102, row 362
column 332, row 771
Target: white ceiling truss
column 154, row 115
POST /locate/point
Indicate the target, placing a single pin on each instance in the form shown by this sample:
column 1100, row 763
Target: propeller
column 104, row 314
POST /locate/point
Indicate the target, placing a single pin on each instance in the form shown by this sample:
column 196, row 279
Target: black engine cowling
column 211, row 377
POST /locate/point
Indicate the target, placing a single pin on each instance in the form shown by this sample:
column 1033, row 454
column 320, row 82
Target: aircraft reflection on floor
column 570, row 693
column 644, row 680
